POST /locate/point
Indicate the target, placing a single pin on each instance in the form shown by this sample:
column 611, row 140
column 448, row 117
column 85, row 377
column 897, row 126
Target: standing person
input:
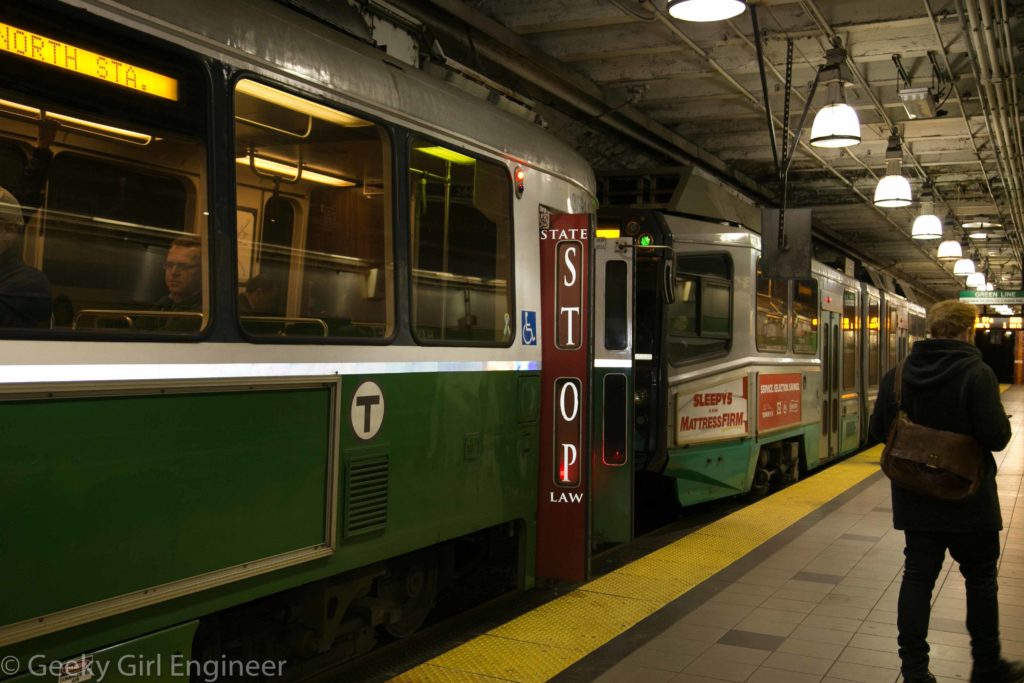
column 24, row 291
column 946, row 385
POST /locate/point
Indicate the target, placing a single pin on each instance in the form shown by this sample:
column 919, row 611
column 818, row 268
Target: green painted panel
column 161, row 656
column 710, row 471
column 462, row 452
column 434, row 491
column 849, row 433
column 116, row 494
column 611, row 486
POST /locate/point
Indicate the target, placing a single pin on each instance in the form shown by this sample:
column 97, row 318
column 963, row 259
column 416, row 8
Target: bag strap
column 898, row 385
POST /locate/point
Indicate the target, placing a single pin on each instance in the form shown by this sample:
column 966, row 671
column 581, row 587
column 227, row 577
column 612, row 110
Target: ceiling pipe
column 1012, row 198
column 963, row 110
column 994, row 103
column 1011, row 84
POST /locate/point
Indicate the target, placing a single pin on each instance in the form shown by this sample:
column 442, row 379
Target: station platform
column 800, row 587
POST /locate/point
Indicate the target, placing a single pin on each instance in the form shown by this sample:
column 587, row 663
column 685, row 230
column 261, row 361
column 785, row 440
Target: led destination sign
column 65, row 56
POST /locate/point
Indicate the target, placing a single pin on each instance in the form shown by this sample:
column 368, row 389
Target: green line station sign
column 991, row 298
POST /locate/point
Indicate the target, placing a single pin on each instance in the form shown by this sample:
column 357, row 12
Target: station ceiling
column 632, row 88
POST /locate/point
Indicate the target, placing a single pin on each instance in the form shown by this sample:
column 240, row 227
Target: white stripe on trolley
column 37, row 374
column 612, row 363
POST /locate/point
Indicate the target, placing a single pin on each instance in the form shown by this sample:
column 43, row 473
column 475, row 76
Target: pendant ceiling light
column 950, row 251
column 893, row 190
column 981, row 223
column 964, row 266
column 927, row 225
column 705, row 10
column 979, row 227
column 976, row 280
column 836, row 124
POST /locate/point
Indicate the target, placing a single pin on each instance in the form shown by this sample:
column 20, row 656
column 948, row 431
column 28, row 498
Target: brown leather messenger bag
column 932, row 462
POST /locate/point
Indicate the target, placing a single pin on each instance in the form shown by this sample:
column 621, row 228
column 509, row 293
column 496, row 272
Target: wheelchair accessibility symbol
column 529, row 328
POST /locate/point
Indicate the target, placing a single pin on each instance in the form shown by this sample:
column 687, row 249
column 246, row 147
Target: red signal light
column 520, row 177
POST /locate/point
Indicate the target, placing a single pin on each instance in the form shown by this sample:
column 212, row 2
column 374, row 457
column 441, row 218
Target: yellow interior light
column 447, row 154
column 299, row 104
column 101, row 129
column 291, row 171
column 608, row 233
column 83, row 125
column 39, row 48
column 20, row 109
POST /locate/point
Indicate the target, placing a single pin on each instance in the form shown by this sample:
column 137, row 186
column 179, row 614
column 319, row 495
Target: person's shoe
column 926, row 677
column 1006, row 672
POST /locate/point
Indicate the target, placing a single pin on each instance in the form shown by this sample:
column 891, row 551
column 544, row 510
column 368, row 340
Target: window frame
column 816, row 318
column 405, row 171
column 190, row 116
column 681, row 274
column 788, row 324
column 854, row 334
column 390, row 157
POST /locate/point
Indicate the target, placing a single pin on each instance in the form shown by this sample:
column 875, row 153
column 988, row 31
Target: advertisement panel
column 778, row 401
column 714, row 412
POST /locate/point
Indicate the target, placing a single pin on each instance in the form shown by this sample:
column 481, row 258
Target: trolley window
column 315, row 258
column 851, row 337
column 700, row 320
column 772, row 319
column 109, row 171
column 917, row 326
column 616, row 289
column 873, row 348
column 892, row 335
column 805, row 316
column 461, row 222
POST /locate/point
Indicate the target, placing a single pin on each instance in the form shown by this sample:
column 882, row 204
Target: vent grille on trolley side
column 366, row 495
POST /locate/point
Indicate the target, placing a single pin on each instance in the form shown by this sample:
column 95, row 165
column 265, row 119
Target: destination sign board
column 991, row 298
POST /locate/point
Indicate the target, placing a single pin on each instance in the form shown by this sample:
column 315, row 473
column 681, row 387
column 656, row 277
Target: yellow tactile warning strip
column 538, row 645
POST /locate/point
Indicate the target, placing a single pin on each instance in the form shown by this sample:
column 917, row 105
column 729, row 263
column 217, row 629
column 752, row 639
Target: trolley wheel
column 762, row 484
column 412, row 587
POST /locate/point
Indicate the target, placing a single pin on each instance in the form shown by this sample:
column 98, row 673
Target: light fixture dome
column 927, row 226
column 976, row 280
column 893, row 191
column 964, row 266
column 978, row 235
column 836, row 125
column 981, row 223
column 950, row 250
column 705, row 10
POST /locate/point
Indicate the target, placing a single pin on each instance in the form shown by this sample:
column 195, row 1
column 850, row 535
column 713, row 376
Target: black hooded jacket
column 946, row 385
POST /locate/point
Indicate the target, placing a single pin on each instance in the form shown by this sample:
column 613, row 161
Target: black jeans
column 976, row 555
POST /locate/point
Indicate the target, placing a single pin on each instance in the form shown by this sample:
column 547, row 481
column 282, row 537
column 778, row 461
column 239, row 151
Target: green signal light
column 645, row 239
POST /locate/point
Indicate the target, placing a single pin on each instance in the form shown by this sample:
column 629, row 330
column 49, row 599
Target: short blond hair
column 950, row 319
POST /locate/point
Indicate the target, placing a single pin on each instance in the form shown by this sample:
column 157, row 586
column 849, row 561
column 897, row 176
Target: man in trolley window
column 184, row 279
column 24, row 291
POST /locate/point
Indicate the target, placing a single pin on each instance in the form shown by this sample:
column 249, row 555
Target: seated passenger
column 24, row 291
column 262, row 296
column 184, row 279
